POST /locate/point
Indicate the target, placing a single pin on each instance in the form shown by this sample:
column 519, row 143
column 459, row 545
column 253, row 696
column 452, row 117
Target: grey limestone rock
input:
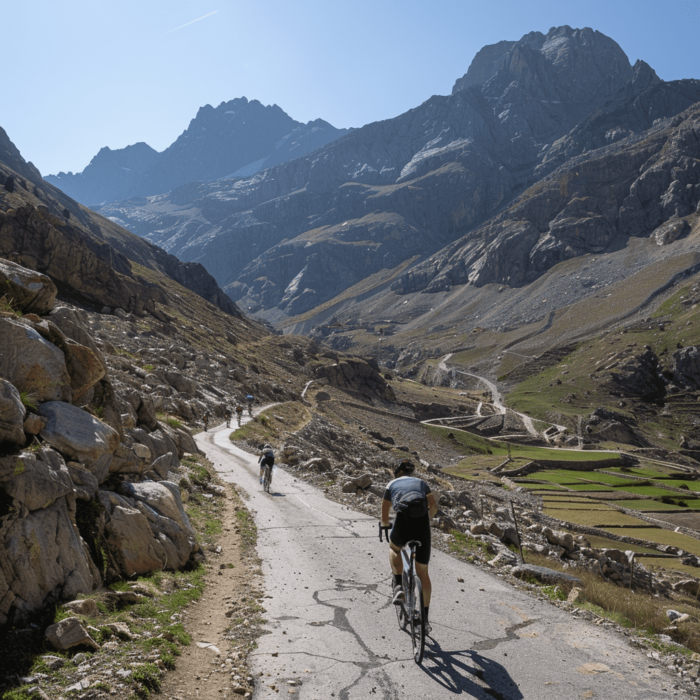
column 148, row 528
column 79, row 436
column 43, row 558
column 12, row 414
column 27, row 291
column 32, row 363
column 686, row 371
column 69, row 633
column 35, row 480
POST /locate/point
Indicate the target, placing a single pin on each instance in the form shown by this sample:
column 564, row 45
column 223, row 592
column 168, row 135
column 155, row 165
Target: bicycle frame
column 410, row 612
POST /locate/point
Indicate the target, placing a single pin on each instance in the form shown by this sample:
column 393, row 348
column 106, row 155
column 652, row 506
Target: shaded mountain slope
column 54, row 234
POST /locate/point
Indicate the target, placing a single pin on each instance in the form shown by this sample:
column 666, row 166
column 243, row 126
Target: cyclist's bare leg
column 395, row 559
column 422, row 571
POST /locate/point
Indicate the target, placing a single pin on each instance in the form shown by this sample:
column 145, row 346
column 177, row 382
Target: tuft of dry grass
column 635, row 609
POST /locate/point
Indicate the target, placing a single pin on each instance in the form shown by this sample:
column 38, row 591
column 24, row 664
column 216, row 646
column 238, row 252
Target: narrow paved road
column 332, row 630
column 495, row 396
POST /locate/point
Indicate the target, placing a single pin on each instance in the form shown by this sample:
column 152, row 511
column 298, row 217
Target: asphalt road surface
column 332, row 631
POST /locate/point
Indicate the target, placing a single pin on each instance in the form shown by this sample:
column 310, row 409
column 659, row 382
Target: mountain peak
column 565, row 64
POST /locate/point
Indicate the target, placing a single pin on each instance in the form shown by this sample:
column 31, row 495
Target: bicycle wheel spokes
column 417, row 620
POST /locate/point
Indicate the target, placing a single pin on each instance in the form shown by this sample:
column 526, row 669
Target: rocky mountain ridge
column 238, row 138
column 323, row 230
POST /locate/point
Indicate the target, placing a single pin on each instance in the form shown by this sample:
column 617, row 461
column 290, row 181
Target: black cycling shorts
column 406, row 529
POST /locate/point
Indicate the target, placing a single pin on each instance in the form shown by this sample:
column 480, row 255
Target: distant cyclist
column 250, row 399
column 267, row 459
column 205, row 420
column 414, row 505
column 239, row 414
column 227, row 416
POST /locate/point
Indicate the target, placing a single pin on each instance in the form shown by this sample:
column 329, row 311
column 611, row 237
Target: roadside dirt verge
column 225, row 622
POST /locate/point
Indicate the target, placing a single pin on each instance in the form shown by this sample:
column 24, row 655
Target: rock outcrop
column 56, row 457
column 356, row 375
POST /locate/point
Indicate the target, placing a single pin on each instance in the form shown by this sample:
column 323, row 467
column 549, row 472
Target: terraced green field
column 646, row 505
column 595, row 517
column 689, row 544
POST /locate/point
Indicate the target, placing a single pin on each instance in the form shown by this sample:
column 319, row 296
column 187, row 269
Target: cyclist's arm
column 386, row 507
column 432, row 505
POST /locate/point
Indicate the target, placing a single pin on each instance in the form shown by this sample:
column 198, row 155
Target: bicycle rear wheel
column 266, row 480
column 417, row 620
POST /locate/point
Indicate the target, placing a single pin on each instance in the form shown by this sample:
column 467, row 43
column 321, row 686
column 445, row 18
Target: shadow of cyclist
column 468, row 672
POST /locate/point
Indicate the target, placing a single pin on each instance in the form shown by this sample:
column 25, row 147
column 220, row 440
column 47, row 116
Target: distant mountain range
column 550, row 149
column 235, row 139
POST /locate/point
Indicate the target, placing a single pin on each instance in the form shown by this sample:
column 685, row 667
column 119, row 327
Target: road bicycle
column 238, row 418
column 410, row 612
column 267, row 478
column 228, row 421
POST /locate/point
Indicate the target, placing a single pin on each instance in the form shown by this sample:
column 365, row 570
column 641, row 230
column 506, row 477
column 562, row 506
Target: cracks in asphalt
column 489, row 644
column 340, row 621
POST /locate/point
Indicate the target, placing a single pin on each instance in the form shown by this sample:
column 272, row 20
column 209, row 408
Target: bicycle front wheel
column 417, row 619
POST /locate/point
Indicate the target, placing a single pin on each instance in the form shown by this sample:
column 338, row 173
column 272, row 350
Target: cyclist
column 227, row 416
column 250, row 400
column 267, row 459
column 414, row 505
column 206, row 421
column 239, row 414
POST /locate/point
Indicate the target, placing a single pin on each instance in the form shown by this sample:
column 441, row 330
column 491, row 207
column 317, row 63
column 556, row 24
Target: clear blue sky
column 82, row 74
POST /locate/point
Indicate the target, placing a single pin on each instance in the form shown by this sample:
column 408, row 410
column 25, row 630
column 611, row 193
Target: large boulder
column 160, row 442
column 182, row 439
column 12, row 414
column 43, row 560
column 27, row 290
column 163, row 497
column 35, row 480
column 148, row 528
column 84, row 368
column 32, row 363
column 132, row 544
column 79, row 436
column 85, row 484
column 181, row 383
column 686, row 371
column 74, row 325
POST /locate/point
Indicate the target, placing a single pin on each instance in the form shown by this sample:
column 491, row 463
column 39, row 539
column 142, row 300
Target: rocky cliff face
column 644, row 186
column 81, row 250
column 393, row 193
column 235, row 139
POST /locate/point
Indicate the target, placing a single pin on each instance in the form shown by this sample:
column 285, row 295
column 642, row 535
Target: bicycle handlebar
column 384, row 527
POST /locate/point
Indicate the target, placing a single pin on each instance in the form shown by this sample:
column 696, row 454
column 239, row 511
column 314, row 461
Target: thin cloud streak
column 182, row 26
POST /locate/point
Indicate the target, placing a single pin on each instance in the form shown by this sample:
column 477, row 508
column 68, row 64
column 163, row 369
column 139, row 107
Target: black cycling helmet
column 404, row 465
